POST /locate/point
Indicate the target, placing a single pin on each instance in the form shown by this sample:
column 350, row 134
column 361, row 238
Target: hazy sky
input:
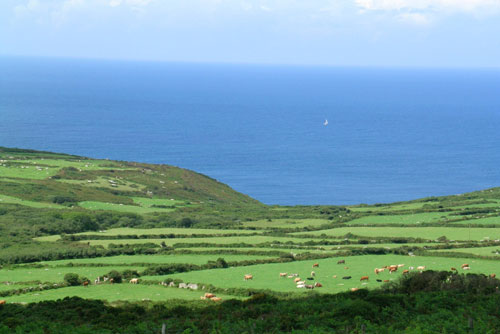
column 338, row 32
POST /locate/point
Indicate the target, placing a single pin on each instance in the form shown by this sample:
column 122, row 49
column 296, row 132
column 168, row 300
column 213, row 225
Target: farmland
column 67, row 220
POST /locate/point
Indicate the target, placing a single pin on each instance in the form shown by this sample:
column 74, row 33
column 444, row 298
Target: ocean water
column 392, row 134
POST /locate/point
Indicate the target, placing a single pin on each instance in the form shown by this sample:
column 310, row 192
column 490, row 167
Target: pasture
column 56, row 275
column 167, row 230
column 483, row 251
column 285, row 223
column 95, row 205
column 154, row 259
column 419, row 218
column 115, row 292
column 14, row 200
column 429, row 233
column 266, row 276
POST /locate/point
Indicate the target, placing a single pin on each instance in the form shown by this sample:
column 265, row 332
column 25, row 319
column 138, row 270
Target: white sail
column 326, row 122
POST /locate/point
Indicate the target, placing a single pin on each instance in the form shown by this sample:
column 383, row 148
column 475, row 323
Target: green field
column 56, row 275
column 169, row 230
column 94, row 205
column 250, row 240
column 484, row 251
column 266, row 276
column 155, row 259
column 431, row 233
column 114, row 292
column 419, row 218
column 285, row 223
column 14, row 200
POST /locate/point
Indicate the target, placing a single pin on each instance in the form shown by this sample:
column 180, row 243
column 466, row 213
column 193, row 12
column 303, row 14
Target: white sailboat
column 326, row 122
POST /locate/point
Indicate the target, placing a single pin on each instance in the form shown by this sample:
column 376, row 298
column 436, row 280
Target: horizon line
column 243, row 63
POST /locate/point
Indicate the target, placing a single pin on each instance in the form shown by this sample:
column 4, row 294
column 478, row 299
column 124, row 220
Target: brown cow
column 354, row 289
column 393, row 269
column 111, row 281
column 364, row 278
column 297, row 280
column 282, row 274
column 86, row 283
column 308, row 286
column 318, row 285
column 453, row 269
column 464, row 265
column 406, row 271
column 379, row 270
column 315, row 265
column 247, row 277
column 346, row 268
column 3, row 302
column 493, row 275
column 209, row 295
column 341, row 262
column 216, row 299
column 386, row 281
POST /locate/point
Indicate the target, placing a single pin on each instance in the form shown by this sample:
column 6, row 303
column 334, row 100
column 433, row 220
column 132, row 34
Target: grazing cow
column 134, row 281
column 297, row 279
column 247, row 277
column 392, row 269
column 209, row 295
column 379, row 280
column 300, row 286
column 3, row 302
column 318, row 285
column 406, row 271
column 341, row 262
column 421, row 268
column 203, row 298
column 282, row 274
column 400, row 265
column 301, row 282
column 347, row 277
column 364, row 278
column 86, row 283
column 354, row 289
column 453, row 269
column 290, row 276
column 346, row 268
column 379, row 270
column 386, row 281
column 313, row 274
column 216, row 299
column 466, row 268
column 111, row 281
column 334, row 276
column 308, row 286
column 310, row 278
column 465, row 265
column 493, row 275
column 315, row 265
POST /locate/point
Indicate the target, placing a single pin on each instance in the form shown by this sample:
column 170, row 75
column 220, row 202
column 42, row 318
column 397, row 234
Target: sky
column 427, row 33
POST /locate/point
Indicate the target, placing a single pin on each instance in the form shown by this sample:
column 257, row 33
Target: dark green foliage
column 116, row 276
column 72, row 279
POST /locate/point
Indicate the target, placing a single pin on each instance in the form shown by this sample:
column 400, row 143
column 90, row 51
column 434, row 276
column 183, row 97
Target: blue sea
column 392, row 134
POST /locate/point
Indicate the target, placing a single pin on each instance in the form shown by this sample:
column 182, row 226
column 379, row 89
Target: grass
column 166, row 230
column 285, row 223
column 266, row 276
column 14, row 200
column 103, row 182
column 480, row 221
column 427, row 217
column 94, row 205
column 155, row 259
column 484, row 251
column 115, row 292
column 6, row 287
column 388, row 207
column 430, row 233
column 251, row 240
column 56, row 275
column 27, row 172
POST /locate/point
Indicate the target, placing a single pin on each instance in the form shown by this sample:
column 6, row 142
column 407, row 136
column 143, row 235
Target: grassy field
column 168, row 230
column 431, row 233
column 250, row 240
column 56, row 275
column 32, row 204
column 94, row 205
column 427, row 217
column 484, row 251
column 285, row 223
column 478, row 221
column 266, row 276
column 115, row 292
column 27, row 172
column 155, row 259
column 6, row 287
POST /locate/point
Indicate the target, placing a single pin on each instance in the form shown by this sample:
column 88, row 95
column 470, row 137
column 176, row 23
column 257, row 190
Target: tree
column 116, row 276
column 72, row 279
